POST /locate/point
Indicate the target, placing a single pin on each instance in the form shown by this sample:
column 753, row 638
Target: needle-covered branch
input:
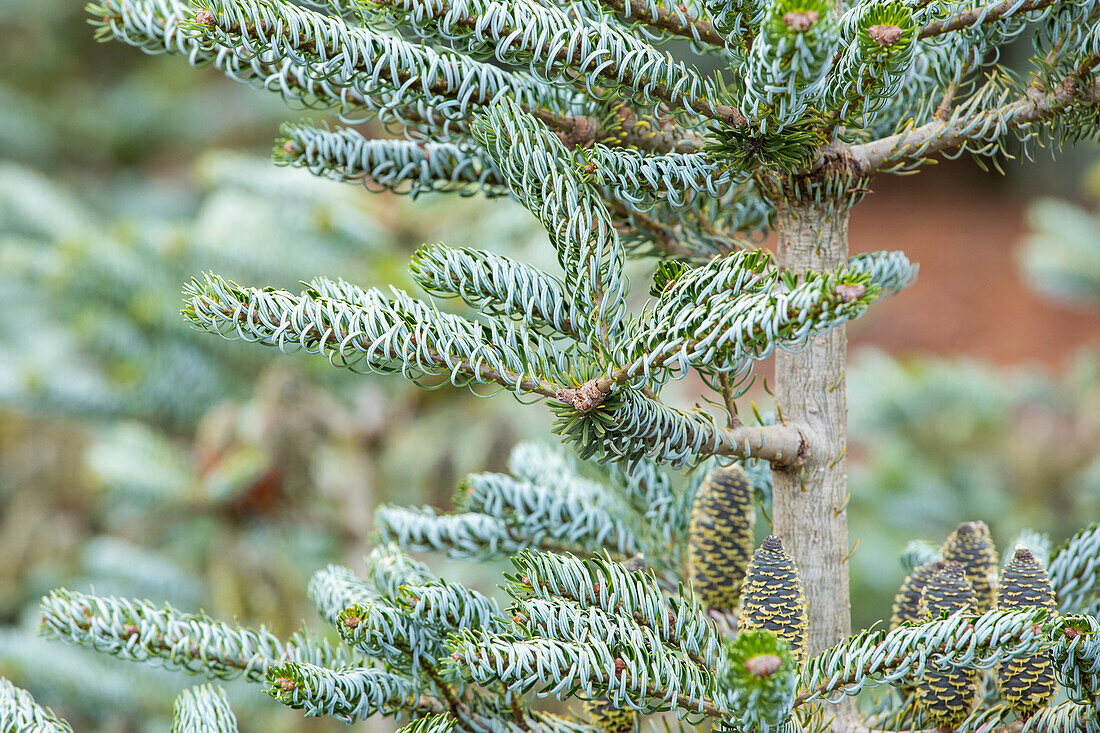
column 139, row 631
column 538, row 169
column 978, row 128
column 738, row 309
column 349, row 694
column 552, row 508
column 497, row 286
column 399, row 166
column 562, row 48
column 626, row 424
column 365, row 330
column 366, row 60
column 156, row 26
column 965, row 640
column 983, row 15
column 1075, row 572
column 19, row 712
column 674, row 21
column 203, row 709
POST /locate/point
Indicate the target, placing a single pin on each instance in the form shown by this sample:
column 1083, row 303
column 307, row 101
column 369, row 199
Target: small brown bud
column 290, row 148
column 884, row 35
column 584, row 398
column 596, row 588
column 285, row 684
column 526, row 580
column 519, row 619
column 130, row 631
column 1071, row 633
column 590, row 168
column 849, row 293
column 205, row 17
column 352, row 622
column 1036, row 629
column 620, row 667
column 763, row 665
column 456, row 656
column 800, row 21
column 582, row 134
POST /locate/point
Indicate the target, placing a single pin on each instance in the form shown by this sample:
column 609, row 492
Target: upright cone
column 971, row 546
column 907, row 601
column 772, row 598
column 1026, row 684
column 606, row 718
column 720, row 540
column 946, row 694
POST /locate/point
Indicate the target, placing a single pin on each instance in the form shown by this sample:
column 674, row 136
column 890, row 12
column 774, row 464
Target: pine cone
column 772, row 598
column 946, row 694
column 720, row 540
column 1026, row 684
column 971, row 546
column 907, row 601
column 606, row 718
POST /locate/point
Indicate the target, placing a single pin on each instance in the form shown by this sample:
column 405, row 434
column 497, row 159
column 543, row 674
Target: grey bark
column 809, row 500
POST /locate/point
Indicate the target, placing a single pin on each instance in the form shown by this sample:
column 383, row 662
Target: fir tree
column 622, row 150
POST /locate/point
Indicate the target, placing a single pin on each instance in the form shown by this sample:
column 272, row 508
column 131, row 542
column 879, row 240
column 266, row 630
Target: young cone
column 971, row 546
column 720, row 541
column 946, row 694
column 606, row 718
column 772, row 597
column 1026, row 684
column 907, row 601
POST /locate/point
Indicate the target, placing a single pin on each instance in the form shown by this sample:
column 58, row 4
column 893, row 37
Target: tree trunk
column 809, row 500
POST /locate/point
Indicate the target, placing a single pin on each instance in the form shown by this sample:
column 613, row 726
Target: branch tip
column 884, row 35
column 800, row 21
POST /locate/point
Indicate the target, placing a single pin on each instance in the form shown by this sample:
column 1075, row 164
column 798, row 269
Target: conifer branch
column 138, row 631
column 554, row 667
column 563, row 49
column 365, row 330
column 19, row 712
column 365, row 60
column 676, row 21
column 963, row 639
column 155, row 27
column 1075, row 571
column 400, row 166
column 597, row 583
column 349, row 694
column 534, row 162
column 497, row 285
column 203, row 709
column 627, row 425
column 742, row 309
column 983, row 15
column 976, row 124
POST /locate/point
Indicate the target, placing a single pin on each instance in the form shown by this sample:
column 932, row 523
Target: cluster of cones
column 966, row 579
column 763, row 588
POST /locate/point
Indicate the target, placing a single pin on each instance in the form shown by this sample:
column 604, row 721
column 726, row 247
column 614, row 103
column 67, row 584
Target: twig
column 689, row 27
column 979, row 16
column 941, row 135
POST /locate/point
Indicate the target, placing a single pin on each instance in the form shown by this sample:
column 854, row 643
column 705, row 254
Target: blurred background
column 141, row 458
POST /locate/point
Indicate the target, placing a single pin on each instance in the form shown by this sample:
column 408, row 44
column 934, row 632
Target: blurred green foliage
column 1061, row 256
column 142, row 458
column 937, row 441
